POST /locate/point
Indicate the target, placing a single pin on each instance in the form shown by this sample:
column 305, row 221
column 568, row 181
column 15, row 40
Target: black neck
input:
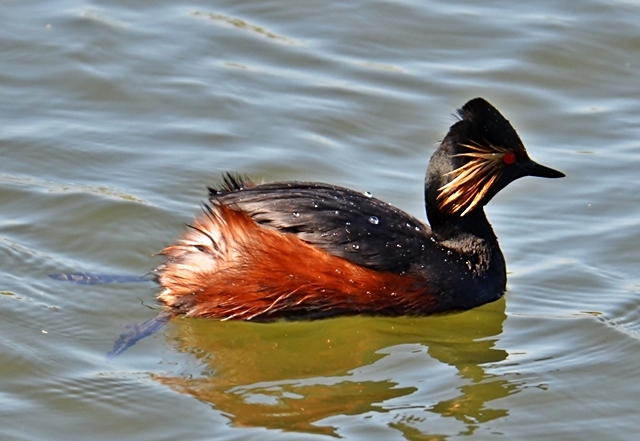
column 470, row 236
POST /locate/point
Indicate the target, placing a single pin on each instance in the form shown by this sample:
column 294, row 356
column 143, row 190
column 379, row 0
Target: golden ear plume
column 473, row 180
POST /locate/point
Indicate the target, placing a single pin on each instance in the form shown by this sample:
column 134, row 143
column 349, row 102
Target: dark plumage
column 308, row 250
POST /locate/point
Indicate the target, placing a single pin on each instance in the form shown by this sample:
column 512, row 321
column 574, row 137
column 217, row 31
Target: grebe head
column 481, row 154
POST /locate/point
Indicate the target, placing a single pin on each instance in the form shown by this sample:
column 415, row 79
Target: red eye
column 509, row 158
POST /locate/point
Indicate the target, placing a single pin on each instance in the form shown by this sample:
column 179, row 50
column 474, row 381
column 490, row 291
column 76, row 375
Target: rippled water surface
column 115, row 116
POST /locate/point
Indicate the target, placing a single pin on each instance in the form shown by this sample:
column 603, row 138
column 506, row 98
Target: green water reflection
column 291, row 375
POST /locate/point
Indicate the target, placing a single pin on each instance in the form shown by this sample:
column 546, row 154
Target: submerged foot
column 137, row 333
column 97, row 279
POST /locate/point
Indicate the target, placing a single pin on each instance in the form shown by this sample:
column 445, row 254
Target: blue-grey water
column 116, row 115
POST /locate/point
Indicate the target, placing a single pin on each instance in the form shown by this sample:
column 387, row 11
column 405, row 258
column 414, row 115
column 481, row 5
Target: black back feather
column 230, row 182
column 343, row 222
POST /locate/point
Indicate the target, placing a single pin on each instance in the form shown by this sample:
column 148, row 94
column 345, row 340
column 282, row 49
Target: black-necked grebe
column 311, row 250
